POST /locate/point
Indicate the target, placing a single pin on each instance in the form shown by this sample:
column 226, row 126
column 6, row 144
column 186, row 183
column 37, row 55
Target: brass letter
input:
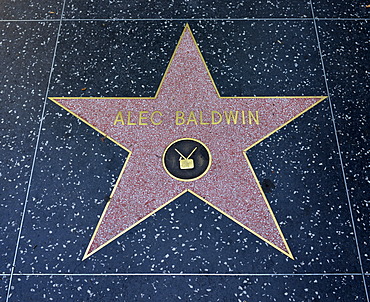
column 201, row 119
column 192, row 118
column 213, row 117
column 180, row 116
column 230, row 116
column 152, row 118
column 255, row 118
column 129, row 119
column 141, row 117
column 119, row 118
column 243, row 117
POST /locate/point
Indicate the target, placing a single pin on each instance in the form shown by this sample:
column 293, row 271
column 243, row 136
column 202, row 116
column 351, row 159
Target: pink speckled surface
column 229, row 184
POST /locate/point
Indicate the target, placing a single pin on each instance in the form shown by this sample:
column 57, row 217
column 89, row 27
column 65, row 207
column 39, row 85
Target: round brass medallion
column 186, row 159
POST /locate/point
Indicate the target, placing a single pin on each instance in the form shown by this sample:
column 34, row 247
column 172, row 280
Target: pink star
column 187, row 105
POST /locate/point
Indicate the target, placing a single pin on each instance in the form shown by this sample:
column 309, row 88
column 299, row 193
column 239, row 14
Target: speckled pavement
column 187, row 240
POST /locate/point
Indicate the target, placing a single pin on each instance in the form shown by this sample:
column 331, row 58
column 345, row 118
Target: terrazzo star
column 212, row 161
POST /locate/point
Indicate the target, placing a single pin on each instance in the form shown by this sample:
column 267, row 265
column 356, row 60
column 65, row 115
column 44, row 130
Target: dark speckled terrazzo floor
column 56, row 173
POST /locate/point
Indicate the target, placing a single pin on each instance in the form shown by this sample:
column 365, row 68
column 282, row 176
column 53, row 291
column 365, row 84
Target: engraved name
column 213, row 117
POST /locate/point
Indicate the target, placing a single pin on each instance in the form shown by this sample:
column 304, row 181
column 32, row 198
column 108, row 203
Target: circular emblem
column 186, row 159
